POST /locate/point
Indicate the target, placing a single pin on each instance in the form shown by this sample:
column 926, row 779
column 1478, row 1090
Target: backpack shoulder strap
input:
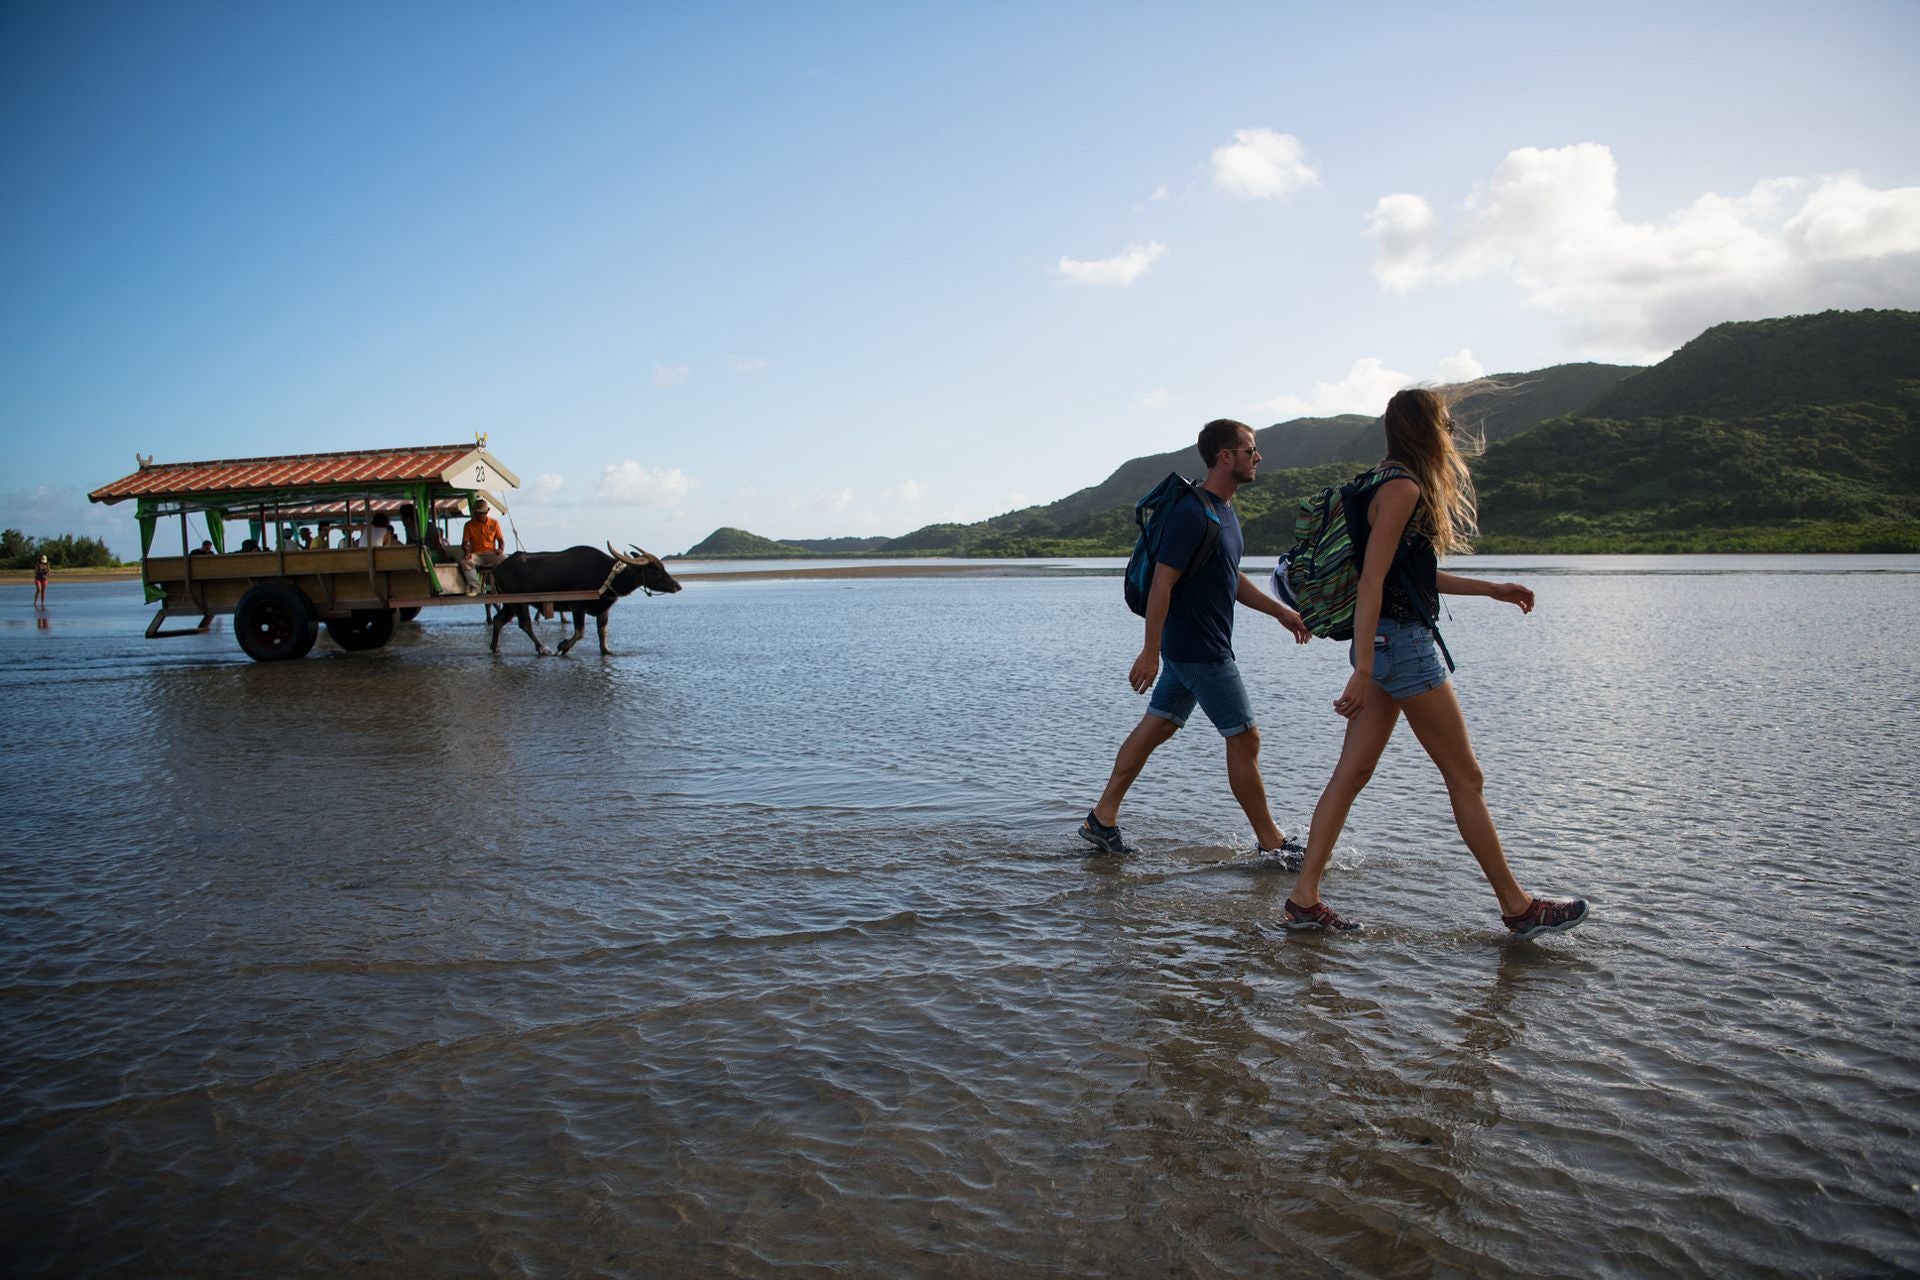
column 1209, row 530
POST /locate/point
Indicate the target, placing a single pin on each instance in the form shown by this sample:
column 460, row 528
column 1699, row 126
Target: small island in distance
column 1800, row 434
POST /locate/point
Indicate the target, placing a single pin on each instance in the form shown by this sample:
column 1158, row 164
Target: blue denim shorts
column 1216, row 686
column 1405, row 661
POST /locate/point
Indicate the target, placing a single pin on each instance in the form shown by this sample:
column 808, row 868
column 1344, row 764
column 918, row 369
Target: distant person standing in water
column 1189, row 630
column 1424, row 510
column 41, row 572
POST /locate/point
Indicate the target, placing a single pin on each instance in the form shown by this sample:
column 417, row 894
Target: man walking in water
column 1190, row 634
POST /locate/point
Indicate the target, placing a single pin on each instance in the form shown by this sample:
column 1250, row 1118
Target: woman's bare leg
column 1442, row 730
column 1367, row 735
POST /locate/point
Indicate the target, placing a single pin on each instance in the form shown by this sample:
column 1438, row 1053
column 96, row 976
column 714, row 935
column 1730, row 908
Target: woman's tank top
column 1414, row 555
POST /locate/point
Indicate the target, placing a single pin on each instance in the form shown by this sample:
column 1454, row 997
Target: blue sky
column 821, row 269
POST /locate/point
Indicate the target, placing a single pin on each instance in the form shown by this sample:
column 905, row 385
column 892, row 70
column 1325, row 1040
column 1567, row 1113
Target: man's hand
column 1513, row 593
column 1145, row 668
column 1292, row 622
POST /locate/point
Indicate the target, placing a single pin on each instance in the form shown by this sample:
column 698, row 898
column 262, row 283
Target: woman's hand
column 1354, row 697
column 1513, row 593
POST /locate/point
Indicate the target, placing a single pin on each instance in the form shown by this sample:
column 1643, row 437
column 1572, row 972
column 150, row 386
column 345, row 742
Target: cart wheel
column 409, row 613
column 274, row 621
column 366, row 629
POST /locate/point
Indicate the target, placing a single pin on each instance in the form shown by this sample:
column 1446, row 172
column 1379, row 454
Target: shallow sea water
column 766, row 945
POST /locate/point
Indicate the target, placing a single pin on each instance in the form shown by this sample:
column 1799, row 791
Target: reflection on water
column 766, row 945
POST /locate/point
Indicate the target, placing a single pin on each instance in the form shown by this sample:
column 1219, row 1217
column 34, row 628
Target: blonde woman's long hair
column 1422, row 437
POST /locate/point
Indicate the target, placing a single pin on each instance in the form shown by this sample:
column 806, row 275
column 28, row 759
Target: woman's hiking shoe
column 1290, row 856
column 1546, row 915
column 1103, row 838
column 1317, row 916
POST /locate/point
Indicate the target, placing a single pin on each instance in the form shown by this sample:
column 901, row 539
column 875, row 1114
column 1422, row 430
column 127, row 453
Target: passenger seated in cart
column 482, row 546
column 374, row 532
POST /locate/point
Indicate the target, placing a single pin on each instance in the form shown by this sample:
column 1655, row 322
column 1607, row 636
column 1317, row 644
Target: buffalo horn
column 625, row 559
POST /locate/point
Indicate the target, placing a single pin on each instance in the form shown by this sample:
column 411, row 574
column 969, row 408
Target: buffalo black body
column 575, row 569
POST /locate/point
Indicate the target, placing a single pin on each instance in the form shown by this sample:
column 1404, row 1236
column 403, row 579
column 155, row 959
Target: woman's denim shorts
column 1405, row 660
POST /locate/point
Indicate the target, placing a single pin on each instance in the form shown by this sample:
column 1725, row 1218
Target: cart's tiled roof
column 245, row 475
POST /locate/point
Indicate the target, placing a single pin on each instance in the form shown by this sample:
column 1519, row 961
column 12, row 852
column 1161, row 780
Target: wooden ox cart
column 281, row 591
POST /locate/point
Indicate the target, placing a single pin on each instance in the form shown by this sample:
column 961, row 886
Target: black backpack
column 1150, row 515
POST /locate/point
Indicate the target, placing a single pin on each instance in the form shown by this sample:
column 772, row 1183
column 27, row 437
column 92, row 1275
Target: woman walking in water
column 1418, row 505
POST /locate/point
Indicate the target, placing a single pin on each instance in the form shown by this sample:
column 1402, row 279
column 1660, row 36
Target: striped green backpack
column 1320, row 576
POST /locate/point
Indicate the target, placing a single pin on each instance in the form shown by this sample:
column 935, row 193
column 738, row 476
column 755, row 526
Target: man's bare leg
column 1243, row 775
column 1146, row 736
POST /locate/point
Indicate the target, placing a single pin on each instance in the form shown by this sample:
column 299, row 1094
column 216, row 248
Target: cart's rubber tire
column 365, row 629
column 274, row 621
column 409, row 613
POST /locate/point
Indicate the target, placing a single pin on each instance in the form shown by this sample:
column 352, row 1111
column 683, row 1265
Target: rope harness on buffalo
column 621, row 563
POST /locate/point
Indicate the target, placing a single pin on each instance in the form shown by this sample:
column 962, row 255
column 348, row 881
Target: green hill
column 1761, row 366
column 1812, row 478
column 1796, row 434
column 738, row 544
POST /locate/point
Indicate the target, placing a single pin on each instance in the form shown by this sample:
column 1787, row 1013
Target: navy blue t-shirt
column 1200, row 617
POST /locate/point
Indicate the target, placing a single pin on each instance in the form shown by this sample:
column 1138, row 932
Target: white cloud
column 1160, row 194
column 546, row 486
column 671, row 375
column 1154, row 399
column 630, row 484
column 1368, row 386
column 1460, row 367
column 1549, row 221
column 1122, row 269
column 749, row 365
column 1262, row 165
column 1846, row 220
column 906, row 492
column 1015, row 502
column 831, row 500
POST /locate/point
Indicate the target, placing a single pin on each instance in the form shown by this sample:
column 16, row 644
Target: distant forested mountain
column 1796, row 434
column 738, row 544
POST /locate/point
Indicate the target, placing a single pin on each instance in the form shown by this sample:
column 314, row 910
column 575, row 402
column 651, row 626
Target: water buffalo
column 575, row 569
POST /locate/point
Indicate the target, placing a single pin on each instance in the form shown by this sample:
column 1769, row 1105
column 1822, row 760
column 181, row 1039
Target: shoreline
column 982, row 569
column 990, row 567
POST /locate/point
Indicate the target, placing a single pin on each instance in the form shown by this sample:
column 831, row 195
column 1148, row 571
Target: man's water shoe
column 1103, row 838
column 1547, row 915
column 1317, row 916
column 1290, row 856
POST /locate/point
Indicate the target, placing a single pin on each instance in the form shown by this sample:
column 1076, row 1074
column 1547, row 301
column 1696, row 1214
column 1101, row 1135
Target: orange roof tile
column 420, row 464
